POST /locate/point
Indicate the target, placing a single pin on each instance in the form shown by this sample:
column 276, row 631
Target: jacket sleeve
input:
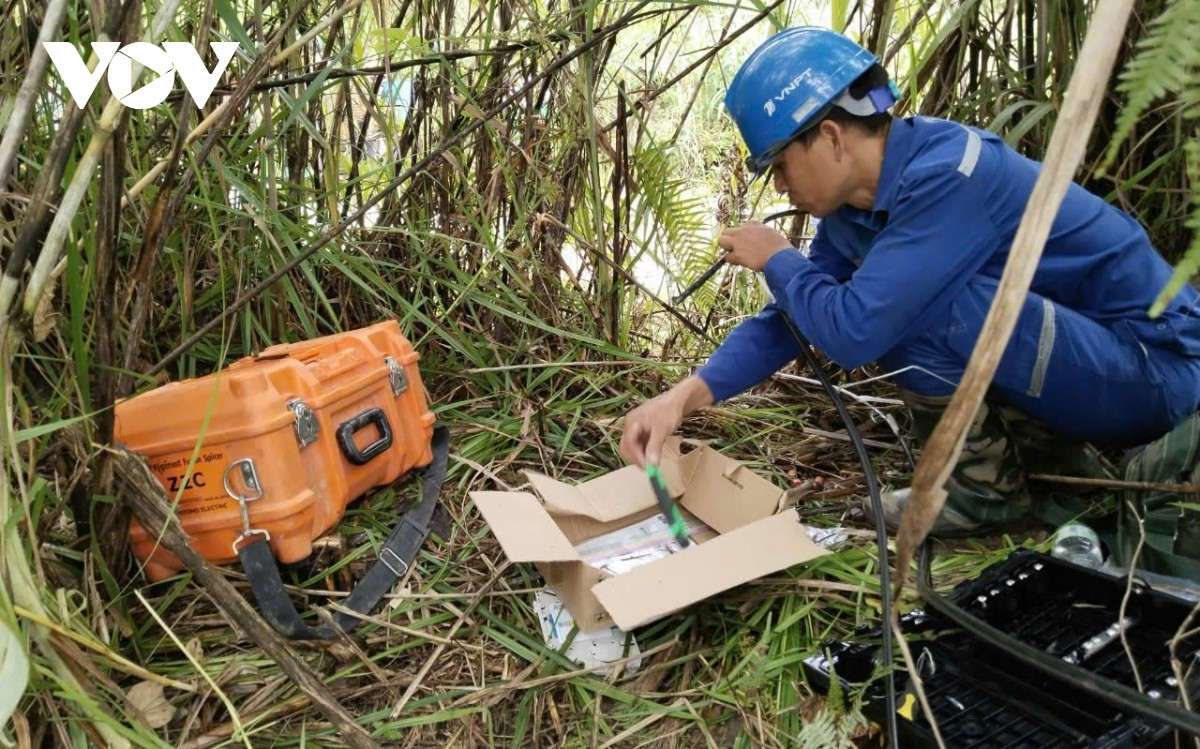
column 751, row 353
column 827, row 258
column 761, row 345
column 938, row 234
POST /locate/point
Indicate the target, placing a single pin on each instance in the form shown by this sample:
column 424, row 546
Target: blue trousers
column 1077, row 376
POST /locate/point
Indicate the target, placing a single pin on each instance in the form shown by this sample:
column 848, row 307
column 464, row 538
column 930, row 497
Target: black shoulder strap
column 395, row 557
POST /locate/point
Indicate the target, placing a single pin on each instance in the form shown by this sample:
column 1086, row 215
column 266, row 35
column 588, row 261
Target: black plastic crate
column 983, row 697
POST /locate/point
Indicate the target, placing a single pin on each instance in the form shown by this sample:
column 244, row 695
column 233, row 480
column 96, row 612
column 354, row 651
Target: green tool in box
column 669, row 509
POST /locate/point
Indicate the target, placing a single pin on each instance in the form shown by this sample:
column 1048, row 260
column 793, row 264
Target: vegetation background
column 524, row 185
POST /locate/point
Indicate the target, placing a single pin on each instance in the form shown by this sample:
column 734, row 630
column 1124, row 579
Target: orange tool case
column 275, row 446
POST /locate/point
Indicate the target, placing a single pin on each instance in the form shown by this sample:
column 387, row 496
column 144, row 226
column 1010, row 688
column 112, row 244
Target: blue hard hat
column 790, row 83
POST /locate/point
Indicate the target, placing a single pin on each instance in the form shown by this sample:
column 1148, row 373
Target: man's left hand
column 752, row 244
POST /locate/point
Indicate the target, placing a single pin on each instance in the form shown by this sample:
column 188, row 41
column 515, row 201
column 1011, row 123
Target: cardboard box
column 752, row 535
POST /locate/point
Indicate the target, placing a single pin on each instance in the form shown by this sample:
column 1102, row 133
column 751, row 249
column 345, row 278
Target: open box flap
column 524, row 530
column 725, row 493
column 564, row 500
column 621, row 493
column 667, row 585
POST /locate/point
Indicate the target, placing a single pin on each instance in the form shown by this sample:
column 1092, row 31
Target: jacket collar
column 895, row 156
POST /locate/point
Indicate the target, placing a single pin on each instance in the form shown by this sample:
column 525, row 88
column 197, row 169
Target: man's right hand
column 648, row 426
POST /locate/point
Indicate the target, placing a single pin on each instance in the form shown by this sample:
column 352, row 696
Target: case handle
column 345, row 436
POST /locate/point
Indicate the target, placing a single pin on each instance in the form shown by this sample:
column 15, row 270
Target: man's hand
column 649, row 425
column 752, row 244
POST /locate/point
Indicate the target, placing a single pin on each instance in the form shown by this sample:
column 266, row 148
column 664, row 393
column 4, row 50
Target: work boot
column 986, row 490
column 950, row 523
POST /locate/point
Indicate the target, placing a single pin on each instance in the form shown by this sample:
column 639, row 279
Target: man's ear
column 836, row 135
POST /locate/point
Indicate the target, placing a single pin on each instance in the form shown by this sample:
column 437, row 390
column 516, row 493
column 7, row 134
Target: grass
column 518, row 251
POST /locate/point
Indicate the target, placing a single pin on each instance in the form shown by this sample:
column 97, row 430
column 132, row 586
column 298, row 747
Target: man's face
column 811, row 176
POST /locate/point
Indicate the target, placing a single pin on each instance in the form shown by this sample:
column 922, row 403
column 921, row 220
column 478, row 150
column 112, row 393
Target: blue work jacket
column 947, row 207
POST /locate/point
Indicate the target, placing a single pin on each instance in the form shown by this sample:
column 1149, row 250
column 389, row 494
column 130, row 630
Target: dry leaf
column 195, row 650
column 45, row 317
column 149, row 705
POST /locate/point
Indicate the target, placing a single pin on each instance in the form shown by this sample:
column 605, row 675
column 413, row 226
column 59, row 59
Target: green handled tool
column 669, row 508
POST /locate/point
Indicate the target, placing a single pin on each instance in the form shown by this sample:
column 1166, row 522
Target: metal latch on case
column 307, row 426
column 396, row 375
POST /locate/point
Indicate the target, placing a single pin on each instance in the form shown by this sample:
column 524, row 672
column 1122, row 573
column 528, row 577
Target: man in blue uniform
column 917, row 219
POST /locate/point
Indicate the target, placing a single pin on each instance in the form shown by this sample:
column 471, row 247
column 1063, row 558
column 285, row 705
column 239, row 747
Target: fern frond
column 819, row 733
column 1167, row 60
column 1190, row 264
column 828, row 730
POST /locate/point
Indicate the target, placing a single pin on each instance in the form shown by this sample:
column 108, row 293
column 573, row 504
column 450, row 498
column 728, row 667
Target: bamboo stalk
column 82, row 179
column 18, row 119
column 312, row 33
column 46, row 188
